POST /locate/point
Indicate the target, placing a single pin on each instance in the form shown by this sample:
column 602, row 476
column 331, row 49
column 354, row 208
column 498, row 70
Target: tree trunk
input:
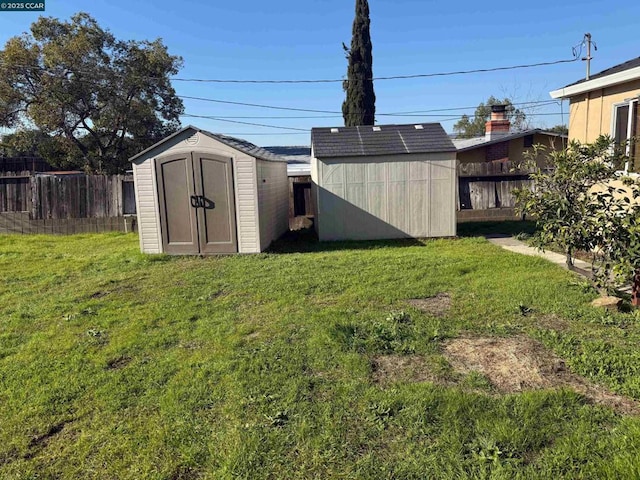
column 569, row 259
column 635, row 288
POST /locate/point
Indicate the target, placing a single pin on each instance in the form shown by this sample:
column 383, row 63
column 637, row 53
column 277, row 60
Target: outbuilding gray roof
column 292, row 154
column 237, row 143
column 464, row 144
column 380, row 140
column 298, row 159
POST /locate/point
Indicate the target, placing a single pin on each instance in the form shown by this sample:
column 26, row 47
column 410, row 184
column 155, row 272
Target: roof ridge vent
column 419, row 127
column 377, row 129
column 334, row 130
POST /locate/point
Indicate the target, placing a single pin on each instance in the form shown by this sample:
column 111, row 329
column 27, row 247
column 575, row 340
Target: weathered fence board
column 491, row 169
column 14, row 192
column 487, row 193
column 81, row 196
column 505, row 189
column 483, row 195
column 21, row 223
column 128, row 197
column 65, row 204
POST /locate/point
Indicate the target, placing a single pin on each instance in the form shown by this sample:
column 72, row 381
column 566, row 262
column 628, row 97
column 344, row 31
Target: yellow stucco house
column 606, row 103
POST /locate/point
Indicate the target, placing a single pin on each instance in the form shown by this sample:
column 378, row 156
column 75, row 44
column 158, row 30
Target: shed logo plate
column 193, row 140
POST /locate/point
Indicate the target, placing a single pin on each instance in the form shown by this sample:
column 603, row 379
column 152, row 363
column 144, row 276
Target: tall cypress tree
column 359, row 108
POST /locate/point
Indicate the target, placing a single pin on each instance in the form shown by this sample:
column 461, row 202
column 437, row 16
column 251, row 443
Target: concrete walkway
column 513, row 245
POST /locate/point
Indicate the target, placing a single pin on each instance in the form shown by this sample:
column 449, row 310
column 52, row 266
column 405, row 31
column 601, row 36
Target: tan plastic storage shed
column 383, row 182
column 202, row 193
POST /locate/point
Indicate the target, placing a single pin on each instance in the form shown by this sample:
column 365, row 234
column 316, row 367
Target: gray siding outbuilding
column 383, row 182
column 199, row 192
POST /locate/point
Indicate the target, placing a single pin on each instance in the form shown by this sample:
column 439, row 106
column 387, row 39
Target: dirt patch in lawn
column 252, row 335
column 520, row 363
column 438, row 305
column 41, row 441
column 401, row 368
column 551, row 322
column 118, row 362
column 43, row 438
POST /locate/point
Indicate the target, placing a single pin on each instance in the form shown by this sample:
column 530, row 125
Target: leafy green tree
column 73, row 80
column 57, row 151
column 560, row 200
column 474, row 126
column 559, row 129
column 616, row 216
column 359, row 106
column 581, row 203
column 22, row 143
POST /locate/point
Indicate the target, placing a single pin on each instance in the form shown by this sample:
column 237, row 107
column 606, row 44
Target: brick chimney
column 498, row 125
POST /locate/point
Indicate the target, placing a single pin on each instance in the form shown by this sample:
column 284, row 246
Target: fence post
column 33, row 182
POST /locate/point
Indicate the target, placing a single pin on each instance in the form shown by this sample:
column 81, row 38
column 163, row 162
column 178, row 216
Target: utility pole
column 588, row 58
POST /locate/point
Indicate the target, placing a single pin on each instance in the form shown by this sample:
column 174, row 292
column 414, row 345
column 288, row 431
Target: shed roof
column 380, row 140
column 237, row 143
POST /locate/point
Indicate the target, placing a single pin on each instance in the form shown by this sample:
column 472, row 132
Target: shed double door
column 197, row 207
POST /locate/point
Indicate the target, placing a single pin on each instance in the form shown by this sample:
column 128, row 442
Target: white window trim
column 629, row 102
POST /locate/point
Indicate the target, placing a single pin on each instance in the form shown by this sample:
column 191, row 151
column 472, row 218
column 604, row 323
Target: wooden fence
column 22, row 223
column 491, row 169
column 15, row 191
column 18, row 164
column 489, row 192
column 301, row 208
column 68, row 203
column 485, row 190
column 77, row 196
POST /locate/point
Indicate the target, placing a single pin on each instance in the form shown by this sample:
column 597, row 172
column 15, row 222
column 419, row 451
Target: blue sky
column 286, row 39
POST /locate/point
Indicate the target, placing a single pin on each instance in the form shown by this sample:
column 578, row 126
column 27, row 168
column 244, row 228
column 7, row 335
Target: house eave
column 597, row 83
column 511, row 136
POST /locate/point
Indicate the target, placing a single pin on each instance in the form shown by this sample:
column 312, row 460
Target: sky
column 302, row 40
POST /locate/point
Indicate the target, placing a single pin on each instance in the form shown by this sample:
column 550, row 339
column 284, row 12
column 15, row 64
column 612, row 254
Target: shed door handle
column 207, row 203
column 200, row 201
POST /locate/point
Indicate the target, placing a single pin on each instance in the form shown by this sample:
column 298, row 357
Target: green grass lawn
column 117, row 365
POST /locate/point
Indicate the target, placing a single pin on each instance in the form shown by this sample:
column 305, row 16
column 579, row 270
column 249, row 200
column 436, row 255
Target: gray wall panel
column 386, row 196
column 377, row 206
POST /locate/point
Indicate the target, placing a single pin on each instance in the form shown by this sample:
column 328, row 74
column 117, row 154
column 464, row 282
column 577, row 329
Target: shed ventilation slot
column 376, row 129
column 419, row 127
column 334, row 130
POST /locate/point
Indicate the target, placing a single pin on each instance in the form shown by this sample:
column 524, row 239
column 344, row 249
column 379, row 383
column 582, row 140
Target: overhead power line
column 257, row 105
column 220, row 119
column 433, row 117
column 307, row 130
column 576, row 57
column 470, row 116
column 423, row 113
column 392, row 77
column 530, row 104
column 335, row 112
column 238, row 134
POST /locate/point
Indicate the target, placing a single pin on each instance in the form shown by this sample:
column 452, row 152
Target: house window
column 528, row 141
column 626, row 131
